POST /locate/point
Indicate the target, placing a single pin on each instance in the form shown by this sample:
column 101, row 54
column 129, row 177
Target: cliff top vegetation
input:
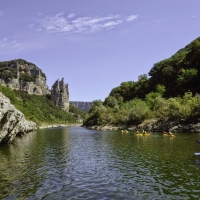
column 8, row 69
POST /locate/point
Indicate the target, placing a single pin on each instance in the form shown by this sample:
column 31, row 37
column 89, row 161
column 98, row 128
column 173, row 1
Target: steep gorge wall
column 12, row 121
column 84, row 106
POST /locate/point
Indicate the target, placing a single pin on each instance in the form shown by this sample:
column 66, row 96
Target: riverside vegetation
column 41, row 109
column 170, row 92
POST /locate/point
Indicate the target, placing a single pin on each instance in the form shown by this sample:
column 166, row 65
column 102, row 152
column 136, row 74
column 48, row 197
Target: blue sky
column 95, row 44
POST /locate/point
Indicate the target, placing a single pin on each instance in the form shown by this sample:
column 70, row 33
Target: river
column 78, row 163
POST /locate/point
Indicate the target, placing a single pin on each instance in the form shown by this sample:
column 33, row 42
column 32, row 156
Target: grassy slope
column 37, row 108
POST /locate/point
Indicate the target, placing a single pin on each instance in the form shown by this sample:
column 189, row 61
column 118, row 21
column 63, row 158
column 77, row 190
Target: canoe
column 125, row 131
column 197, row 153
column 171, row 135
column 142, row 134
column 146, row 134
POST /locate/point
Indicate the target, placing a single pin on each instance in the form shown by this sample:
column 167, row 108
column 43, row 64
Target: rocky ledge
column 12, row 121
column 155, row 125
column 173, row 126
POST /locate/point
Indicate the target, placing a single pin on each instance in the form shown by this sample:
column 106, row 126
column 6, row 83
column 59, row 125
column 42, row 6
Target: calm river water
column 77, row 163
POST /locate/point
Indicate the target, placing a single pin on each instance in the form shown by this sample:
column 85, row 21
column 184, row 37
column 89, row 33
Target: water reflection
column 73, row 162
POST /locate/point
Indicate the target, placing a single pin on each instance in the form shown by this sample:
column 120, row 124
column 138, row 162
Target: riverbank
column 43, row 126
column 155, row 125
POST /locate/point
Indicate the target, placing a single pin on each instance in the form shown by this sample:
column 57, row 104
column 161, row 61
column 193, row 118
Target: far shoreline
column 46, row 126
column 154, row 125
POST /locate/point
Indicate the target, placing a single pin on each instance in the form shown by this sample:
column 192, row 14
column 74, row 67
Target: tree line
column 170, row 91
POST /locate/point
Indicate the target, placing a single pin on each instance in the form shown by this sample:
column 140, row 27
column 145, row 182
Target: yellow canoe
column 146, row 134
column 171, row 135
column 139, row 134
column 125, row 131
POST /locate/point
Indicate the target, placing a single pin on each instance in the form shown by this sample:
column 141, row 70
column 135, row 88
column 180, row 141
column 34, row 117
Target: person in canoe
column 170, row 133
column 144, row 132
column 137, row 132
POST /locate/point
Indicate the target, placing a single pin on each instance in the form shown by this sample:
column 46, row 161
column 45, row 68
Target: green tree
column 136, row 110
column 111, row 102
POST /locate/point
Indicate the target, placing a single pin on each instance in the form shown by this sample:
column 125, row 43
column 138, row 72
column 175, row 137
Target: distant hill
column 178, row 74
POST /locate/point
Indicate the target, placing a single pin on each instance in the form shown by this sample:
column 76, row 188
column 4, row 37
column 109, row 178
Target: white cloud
column 13, row 46
column 71, row 15
column 194, row 16
column 65, row 24
column 1, row 13
column 113, row 23
column 7, row 45
column 131, row 18
column 58, row 23
column 31, row 26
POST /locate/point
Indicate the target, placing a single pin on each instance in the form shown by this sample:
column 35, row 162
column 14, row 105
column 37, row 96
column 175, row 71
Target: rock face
column 22, row 75
column 60, row 95
column 25, row 76
column 84, row 106
column 159, row 126
column 12, row 121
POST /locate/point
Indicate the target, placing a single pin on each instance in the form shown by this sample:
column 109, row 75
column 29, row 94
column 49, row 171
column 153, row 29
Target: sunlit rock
column 12, row 121
column 60, row 95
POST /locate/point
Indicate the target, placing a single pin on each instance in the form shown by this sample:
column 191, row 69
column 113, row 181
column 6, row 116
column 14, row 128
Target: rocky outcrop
column 25, row 76
column 22, row 75
column 161, row 125
column 12, row 121
column 60, row 95
column 84, row 106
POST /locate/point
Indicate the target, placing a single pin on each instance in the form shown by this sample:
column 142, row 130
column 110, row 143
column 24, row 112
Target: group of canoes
column 137, row 132
column 146, row 133
column 168, row 134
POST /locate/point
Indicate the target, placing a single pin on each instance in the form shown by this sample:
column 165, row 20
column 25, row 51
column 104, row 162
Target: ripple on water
column 76, row 163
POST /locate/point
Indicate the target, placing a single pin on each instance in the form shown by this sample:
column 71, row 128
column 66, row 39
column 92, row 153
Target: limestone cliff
column 60, row 95
column 22, row 75
column 25, row 76
column 84, row 106
column 12, row 121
